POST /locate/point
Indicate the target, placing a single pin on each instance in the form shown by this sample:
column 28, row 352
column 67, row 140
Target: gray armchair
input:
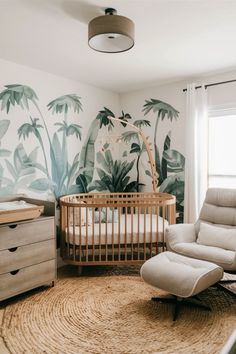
column 213, row 236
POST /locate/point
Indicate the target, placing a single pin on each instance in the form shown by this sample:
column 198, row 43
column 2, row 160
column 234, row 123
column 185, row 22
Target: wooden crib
column 114, row 228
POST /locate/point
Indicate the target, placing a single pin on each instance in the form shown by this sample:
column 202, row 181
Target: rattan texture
column 113, row 314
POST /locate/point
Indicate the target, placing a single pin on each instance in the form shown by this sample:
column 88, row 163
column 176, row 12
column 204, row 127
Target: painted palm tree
column 33, row 128
column 138, row 146
column 62, row 105
column 163, row 110
column 20, row 95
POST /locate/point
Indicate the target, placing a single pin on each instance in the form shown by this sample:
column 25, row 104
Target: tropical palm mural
column 48, row 166
column 58, row 175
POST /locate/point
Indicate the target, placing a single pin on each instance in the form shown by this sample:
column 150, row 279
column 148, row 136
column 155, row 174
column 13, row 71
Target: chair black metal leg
column 169, row 300
column 176, row 308
column 178, row 301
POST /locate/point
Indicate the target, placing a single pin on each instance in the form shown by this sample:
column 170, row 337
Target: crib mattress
column 132, row 229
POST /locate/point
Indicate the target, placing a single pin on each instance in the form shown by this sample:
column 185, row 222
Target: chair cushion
column 216, row 236
column 179, row 275
column 224, row 258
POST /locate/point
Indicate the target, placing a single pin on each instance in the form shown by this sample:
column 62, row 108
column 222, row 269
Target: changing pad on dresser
column 18, row 210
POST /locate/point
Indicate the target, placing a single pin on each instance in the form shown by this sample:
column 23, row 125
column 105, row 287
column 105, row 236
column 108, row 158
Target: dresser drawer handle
column 14, row 272
column 13, row 226
column 13, row 249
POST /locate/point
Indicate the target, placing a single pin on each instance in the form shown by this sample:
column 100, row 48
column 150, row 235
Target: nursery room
column 117, row 177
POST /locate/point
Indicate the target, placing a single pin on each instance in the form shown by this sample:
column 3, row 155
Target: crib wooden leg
column 79, row 270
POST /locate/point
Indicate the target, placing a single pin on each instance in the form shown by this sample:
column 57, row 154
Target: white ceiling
column 174, row 40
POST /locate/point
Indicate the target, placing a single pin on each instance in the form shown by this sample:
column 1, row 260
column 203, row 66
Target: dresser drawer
column 20, row 234
column 24, row 256
column 26, row 278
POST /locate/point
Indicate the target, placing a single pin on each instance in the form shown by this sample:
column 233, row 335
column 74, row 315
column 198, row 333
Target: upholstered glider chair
column 213, row 237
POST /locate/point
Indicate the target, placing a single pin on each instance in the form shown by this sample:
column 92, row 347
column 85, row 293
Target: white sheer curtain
column 196, row 152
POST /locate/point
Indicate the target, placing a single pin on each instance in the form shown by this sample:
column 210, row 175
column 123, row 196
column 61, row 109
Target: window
column 222, row 150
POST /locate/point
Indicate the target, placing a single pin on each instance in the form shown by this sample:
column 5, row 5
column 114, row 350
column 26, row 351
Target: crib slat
column 157, row 228
column 93, row 222
column 67, row 233
column 106, row 241
column 100, row 220
column 132, row 233
column 73, row 227
column 138, row 231
column 126, row 233
column 144, row 234
column 112, row 217
column 119, row 212
column 86, row 233
column 163, row 227
column 151, row 234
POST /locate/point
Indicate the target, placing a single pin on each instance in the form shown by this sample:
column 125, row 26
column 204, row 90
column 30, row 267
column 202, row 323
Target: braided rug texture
column 113, row 314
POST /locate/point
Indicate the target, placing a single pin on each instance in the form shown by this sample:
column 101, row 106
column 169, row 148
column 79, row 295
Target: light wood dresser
column 27, row 251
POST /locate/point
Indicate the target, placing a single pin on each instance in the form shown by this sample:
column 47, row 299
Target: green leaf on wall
column 4, row 153
column 71, row 129
column 128, row 136
column 87, row 154
column 163, row 109
column 73, row 171
column 11, row 169
column 174, row 184
column 22, row 163
column 142, row 123
column 64, row 103
column 135, row 148
column 4, row 125
column 175, row 160
column 166, row 147
column 17, row 95
column 41, row 184
column 103, row 118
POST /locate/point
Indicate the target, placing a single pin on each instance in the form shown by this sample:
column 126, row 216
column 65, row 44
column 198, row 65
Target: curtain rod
column 215, row 84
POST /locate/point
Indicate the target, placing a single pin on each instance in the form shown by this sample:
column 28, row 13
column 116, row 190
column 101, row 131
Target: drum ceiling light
column 111, row 33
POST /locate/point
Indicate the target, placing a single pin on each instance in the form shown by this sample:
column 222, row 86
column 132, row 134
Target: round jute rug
column 113, row 314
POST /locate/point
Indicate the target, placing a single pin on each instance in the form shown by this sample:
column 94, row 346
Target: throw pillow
column 217, row 236
column 106, row 216
column 78, row 214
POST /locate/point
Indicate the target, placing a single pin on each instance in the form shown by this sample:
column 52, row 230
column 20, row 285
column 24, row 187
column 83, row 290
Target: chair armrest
column 179, row 233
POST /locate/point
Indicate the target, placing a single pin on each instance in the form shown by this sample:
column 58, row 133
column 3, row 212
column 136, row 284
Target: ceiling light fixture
column 111, row 33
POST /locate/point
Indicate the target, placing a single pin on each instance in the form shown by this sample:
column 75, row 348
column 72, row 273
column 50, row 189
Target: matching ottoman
column 181, row 276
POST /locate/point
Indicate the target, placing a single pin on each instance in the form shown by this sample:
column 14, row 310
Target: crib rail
column 114, row 228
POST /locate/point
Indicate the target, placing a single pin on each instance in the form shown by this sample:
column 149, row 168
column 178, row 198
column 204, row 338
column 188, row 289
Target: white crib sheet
column 133, row 229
